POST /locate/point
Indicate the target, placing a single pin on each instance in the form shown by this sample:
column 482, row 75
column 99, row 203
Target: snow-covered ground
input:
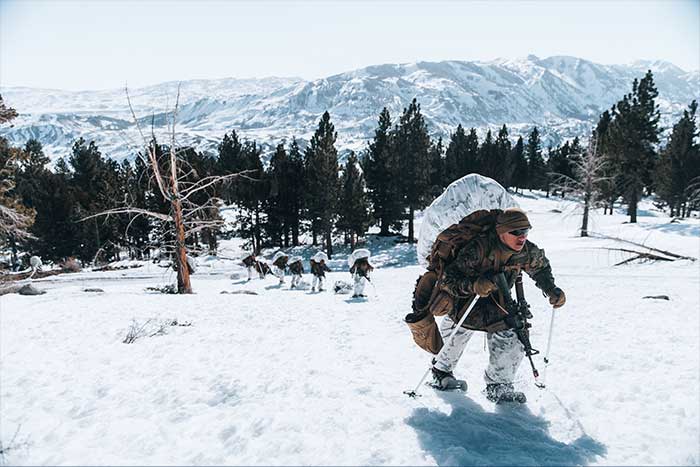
column 290, row 377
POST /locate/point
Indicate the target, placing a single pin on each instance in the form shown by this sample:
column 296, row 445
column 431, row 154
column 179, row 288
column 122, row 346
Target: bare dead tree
column 589, row 169
column 172, row 177
column 15, row 218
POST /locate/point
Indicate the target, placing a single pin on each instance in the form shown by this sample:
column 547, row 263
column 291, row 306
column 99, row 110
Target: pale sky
column 76, row 45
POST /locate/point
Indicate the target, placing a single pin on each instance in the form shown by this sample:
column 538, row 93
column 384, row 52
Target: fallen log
column 641, row 255
column 663, row 252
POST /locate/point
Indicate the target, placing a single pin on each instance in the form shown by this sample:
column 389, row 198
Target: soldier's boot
column 503, row 392
column 446, row 381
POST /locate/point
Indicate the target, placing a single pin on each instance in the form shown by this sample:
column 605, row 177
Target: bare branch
column 212, row 180
column 109, row 212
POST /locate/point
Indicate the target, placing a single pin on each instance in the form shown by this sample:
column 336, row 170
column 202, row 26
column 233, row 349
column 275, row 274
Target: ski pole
column 549, row 346
column 414, row 393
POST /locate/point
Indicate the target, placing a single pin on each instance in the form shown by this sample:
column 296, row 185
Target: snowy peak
column 562, row 95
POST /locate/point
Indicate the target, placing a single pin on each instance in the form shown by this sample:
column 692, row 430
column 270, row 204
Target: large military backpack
column 429, row 300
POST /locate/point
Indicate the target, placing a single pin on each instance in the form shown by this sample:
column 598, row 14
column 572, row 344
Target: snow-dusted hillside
column 289, row 377
column 561, row 95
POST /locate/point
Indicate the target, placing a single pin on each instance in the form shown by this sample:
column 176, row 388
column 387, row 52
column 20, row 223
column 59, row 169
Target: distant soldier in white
column 249, row 262
column 319, row 269
column 360, row 269
column 35, row 263
column 279, row 264
column 296, row 268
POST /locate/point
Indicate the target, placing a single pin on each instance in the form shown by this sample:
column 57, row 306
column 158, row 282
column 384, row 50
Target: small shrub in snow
column 150, row 328
column 166, row 289
column 14, row 445
column 135, row 331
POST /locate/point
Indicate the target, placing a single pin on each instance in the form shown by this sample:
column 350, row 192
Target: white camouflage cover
column 461, row 198
column 279, row 255
column 294, row 259
column 357, row 254
column 320, row 256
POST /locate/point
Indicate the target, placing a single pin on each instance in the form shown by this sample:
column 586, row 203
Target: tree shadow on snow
column 512, row 435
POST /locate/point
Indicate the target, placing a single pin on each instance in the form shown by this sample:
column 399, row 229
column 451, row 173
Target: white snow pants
column 278, row 273
column 359, row 285
column 505, row 351
column 296, row 278
column 250, row 272
column 318, row 280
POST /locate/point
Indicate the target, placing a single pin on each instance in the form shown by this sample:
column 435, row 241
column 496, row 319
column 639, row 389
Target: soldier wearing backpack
column 249, row 262
column 462, row 263
column 279, row 265
column 296, row 268
column 360, row 269
column 319, row 269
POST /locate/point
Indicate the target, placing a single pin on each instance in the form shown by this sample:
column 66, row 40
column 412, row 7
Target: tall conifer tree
column 412, row 146
column 321, row 173
column 354, row 214
column 380, row 165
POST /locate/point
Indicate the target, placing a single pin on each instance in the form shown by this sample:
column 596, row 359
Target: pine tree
column 630, row 140
column 87, row 167
column 321, row 175
column 437, row 169
column 461, row 156
column 520, row 169
column 536, row 167
column 276, row 207
column 295, row 194
column 679, row 164
column 503, row 155
column 609, row 189
column 31, row 168
column 412, row 144
column 229, row 157
column 354, row 207
column 455, row 155
column 488, row 161
column 54, row 229
column 250, row 194
column 380, row 165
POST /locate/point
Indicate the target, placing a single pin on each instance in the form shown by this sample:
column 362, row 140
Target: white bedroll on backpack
column 462, row 197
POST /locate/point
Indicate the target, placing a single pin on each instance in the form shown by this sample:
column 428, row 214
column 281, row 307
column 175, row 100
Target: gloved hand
column 557, row 298
column 483, row 287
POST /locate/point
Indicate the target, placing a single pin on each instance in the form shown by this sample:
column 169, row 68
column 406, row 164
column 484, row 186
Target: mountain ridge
column 561, row 95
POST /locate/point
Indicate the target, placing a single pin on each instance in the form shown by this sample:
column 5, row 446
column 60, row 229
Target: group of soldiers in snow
column 499, row 245
column 359, row 268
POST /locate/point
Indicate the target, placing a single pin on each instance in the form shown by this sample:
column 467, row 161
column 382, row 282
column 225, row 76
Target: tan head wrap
column 512, row 219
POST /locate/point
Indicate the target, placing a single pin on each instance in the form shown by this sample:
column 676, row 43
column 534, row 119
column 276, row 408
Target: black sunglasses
column 519, row 232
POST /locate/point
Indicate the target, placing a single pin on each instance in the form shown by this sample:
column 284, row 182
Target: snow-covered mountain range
column 563, row 96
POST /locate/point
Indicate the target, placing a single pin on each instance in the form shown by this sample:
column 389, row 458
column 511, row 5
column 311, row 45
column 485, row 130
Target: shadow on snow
column 511, row 436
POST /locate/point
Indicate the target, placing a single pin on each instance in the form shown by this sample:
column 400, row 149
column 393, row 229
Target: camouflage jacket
column 281, row 262
column 361, row 267
column 487, row 254
column 319, row 269
column 296, row 267
column 249, row 260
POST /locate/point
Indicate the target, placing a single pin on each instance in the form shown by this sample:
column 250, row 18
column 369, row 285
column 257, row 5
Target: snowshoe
column 446, row 381
column 501, row 392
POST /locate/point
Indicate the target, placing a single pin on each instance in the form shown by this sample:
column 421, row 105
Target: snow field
column 290, row 377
